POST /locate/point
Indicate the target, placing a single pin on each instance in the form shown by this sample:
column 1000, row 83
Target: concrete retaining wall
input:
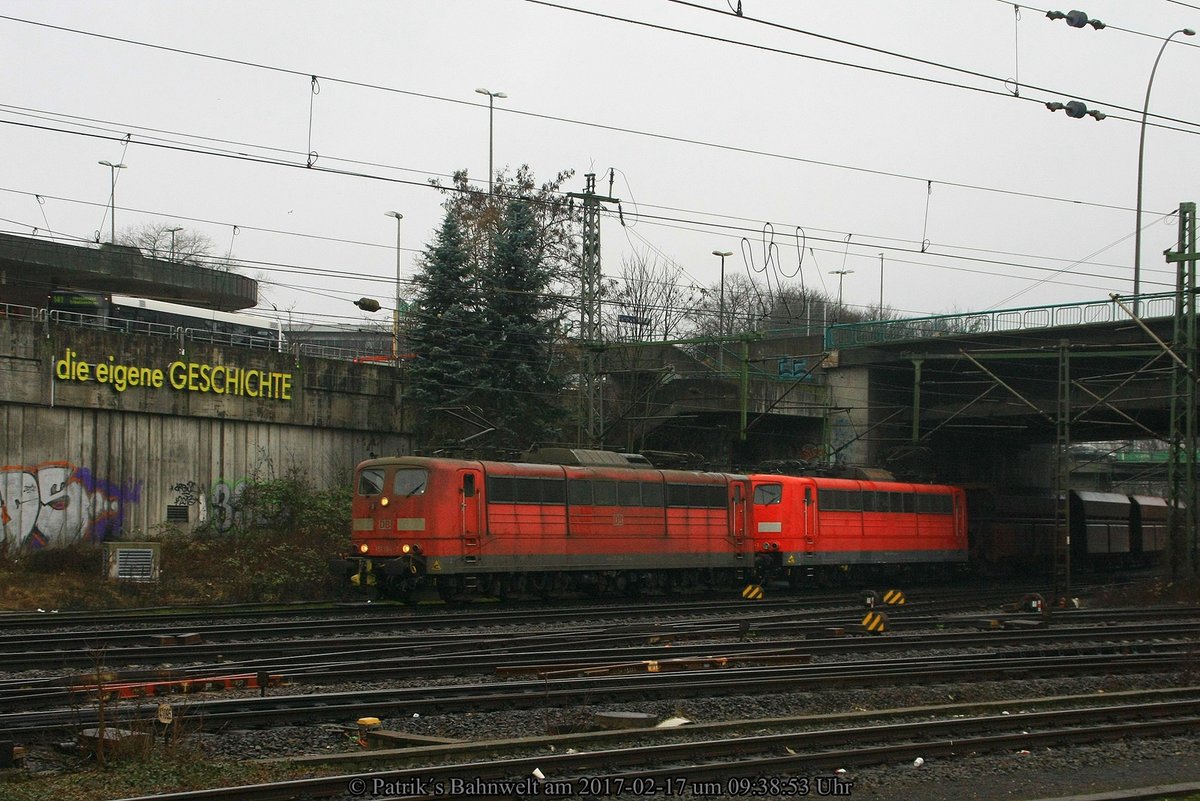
column 94, row 453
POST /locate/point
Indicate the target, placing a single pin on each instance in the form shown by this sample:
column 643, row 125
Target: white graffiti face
column 59, row 512
column 19, row 505
column 56, row 504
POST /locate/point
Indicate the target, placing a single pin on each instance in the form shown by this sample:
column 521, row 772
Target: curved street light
column 172, row 232
column 112, row 196
column 840, row 274
column 721, row 311
column 1137, row 236
column 491, row 96
column 396, row 314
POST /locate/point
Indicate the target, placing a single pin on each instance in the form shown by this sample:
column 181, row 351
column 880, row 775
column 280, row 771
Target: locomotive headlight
column 384, row 501
column 364, row 548
column 406, row 548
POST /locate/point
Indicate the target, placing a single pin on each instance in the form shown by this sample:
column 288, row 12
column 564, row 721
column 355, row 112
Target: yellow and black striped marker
column 753, row 592
column 875, row 622
column 893, row 598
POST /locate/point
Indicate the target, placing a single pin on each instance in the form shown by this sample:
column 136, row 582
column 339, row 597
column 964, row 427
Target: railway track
column 564, row 692
column 75, row 649
column 248, row 618
column 815, row 753
column 461, row 655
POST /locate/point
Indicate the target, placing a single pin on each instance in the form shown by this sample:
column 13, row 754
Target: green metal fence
column 876, row 332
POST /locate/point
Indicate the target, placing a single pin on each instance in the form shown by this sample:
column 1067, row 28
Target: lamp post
column 491, row 96
column 396, row 314
column 880, row 286
column 840, row 274
column 1137, row 235
column 721, row 308
column 172, row 232
column 112, row 196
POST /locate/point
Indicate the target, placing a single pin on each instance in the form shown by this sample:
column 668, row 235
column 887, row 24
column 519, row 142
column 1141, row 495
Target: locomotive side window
column 768, row 494
column 554, row 490
column 409, row 482
column 507, row 489
column 629, row 493
column 468, row 486
column 652, row 494
column 840, row 500
column 697, row 496
column 935, row 504
column 712, row 496
column 605, row 493
column 370, row 482
column 501, row 489
column 528, row 490
column 579, row 492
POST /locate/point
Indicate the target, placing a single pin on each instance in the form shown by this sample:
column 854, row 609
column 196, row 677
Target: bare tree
column 651, row 300
column 159, row 240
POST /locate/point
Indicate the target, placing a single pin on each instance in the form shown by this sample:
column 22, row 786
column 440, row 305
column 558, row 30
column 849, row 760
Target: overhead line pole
column 1182, row 515
column 591, row 342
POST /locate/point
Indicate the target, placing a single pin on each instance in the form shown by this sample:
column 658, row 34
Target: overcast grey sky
column 712, row 135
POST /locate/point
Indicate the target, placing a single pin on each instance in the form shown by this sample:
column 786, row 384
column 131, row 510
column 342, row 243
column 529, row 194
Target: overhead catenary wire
column 126, row 138
column 601, row 126
column 996, row 92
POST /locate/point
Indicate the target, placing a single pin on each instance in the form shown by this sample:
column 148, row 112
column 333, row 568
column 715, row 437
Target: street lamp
column 880, row 286
column 1137, row 235
column 112, row 197
column 396, row 314
column 840, row 274
column 174, row 231
column 491, row 96
column 721, row 312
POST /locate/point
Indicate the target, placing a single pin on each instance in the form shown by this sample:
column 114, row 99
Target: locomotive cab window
column 370, row 482
column 409, row 481
column 768, row 494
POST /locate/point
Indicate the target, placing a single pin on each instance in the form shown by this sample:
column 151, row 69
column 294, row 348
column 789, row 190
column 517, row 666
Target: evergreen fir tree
column 523, row 394
column 447, row 341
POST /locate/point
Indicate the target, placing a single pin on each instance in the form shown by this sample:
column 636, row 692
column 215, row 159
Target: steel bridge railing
column 100, row 322
column 876, row 332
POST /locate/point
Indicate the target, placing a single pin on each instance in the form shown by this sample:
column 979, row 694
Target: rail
column 103, row 323
column 877, row 332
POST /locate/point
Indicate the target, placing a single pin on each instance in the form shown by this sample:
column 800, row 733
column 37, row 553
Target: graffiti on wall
column 58, row 503
column 188, row 493
column 226, row 503
column 841, row 437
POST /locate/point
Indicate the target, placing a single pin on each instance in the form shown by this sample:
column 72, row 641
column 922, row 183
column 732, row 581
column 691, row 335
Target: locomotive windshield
column 370, row 482
column 767, row 494
column 409, row 481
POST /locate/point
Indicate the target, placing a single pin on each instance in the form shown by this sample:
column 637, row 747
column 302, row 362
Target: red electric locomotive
column 609, row 523
column 497, row 528
column 806, row 526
